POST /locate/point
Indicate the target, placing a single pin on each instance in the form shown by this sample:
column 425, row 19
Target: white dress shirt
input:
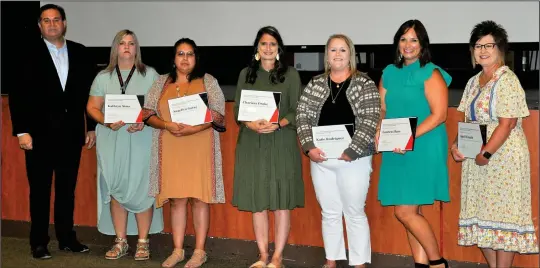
column 60, row 59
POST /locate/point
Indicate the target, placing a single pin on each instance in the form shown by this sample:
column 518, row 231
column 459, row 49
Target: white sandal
column 119, row 249
column 143, row 250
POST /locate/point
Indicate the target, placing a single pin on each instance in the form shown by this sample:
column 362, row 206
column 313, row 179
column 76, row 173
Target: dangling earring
column 277, row 57
column 257, row 56
column 400, row 56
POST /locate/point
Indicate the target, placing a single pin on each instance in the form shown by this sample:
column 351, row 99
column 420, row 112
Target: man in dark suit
column 48, row 113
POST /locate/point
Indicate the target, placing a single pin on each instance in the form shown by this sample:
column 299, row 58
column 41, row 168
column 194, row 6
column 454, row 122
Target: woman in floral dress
column 495, row 210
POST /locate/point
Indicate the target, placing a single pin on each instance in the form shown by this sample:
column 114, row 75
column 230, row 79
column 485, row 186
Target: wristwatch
column 486, row 154
column 278, row 126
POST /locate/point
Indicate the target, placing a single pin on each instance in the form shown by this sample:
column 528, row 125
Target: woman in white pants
column 341, row 96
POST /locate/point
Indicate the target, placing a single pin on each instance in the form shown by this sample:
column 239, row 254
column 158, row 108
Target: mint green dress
column 418, row 177
column 123, row 158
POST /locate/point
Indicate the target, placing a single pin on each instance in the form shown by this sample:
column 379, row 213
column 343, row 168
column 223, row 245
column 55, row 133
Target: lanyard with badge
column 122, row 107
column 123, row 85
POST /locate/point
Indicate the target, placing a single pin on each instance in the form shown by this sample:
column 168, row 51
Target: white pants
column 341, row 188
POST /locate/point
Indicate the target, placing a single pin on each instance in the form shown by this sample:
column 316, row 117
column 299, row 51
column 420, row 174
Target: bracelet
column 166, row 126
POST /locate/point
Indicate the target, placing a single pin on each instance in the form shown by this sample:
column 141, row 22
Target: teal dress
column 418, row 177
column 123, row 158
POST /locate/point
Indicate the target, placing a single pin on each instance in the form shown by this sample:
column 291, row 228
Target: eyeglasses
column 189, row 54
column 488, row 46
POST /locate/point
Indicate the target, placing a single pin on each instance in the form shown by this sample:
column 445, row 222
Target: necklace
column 178, row 90
column 339, row 84
column 332, row 91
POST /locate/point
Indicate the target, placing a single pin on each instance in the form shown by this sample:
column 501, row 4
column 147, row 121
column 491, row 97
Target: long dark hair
column 197, row 71
column 423, row 38
column 277, row 74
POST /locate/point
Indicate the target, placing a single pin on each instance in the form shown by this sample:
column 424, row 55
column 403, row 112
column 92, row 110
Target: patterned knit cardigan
column 216, row 103
column 365, row 102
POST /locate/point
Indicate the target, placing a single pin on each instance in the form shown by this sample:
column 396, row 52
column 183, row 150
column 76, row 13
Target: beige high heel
column 259, row 264
column 279, row 265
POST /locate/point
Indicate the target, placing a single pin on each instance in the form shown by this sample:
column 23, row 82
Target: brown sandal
column 143, row 250
column 119, row 249
column 198, row 258
column 177, row 256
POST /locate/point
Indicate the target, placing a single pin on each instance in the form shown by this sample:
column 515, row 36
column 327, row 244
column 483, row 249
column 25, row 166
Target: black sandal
column 420, row 265
column 439, row 261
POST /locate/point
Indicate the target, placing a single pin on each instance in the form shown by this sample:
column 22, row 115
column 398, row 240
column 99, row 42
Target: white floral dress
column 496, row 198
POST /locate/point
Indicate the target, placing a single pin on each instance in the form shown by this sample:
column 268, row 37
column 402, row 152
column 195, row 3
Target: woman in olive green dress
column 268, row 169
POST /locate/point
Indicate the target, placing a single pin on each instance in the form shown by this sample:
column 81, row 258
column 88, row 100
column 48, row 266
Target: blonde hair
column 352, row 56
column 113, row 59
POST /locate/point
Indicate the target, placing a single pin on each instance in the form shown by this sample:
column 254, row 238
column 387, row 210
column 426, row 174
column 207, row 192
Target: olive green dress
column 268, row 168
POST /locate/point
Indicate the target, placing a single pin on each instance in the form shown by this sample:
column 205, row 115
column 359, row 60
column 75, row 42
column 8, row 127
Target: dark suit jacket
column 40, row 107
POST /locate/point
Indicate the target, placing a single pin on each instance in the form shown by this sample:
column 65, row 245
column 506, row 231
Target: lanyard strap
column 123, row 86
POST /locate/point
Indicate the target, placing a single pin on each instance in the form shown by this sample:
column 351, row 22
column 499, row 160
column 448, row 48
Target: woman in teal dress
column 123, row 153
column 414, row 87
column 268, row 168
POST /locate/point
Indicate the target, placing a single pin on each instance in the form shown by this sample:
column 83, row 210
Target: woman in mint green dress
column 123, row 153
column 414, row 87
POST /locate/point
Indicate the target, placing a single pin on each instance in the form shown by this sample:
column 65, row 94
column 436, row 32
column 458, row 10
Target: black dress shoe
column 73, row 246
column 439, row 261
column 41, row 252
